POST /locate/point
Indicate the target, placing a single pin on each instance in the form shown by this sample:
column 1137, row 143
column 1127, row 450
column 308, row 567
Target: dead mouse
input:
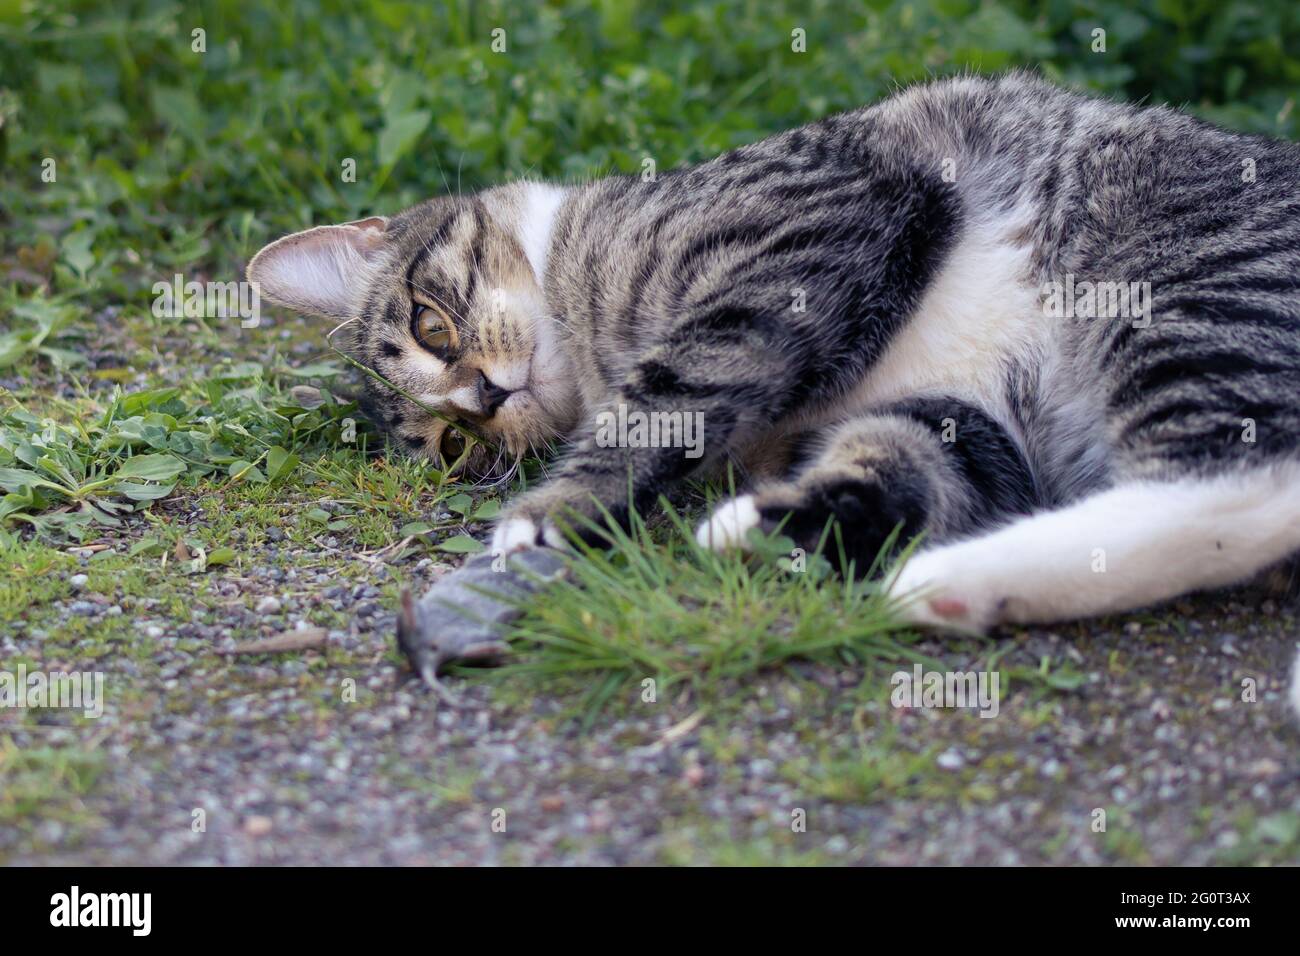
column 464, row 616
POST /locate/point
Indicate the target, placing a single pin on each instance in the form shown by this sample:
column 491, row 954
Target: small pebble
column 950, row 760
column 258, row 826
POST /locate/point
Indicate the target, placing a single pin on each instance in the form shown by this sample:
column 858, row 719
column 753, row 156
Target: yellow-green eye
column 434, row 331
column 452, row 445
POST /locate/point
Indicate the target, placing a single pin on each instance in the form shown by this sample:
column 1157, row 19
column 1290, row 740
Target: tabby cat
column 1060, row 336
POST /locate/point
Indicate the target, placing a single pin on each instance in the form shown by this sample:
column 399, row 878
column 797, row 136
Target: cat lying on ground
column 1060, row 336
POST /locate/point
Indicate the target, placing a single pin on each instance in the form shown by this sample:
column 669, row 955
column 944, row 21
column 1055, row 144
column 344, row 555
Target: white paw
column 728, row 525
column 516, row 534
column 934, row 593
column 552, row 536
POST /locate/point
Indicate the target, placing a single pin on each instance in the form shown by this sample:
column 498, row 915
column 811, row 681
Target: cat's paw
column 729, row 524
column 535, row 519
column 936, row 592
column 516, row 534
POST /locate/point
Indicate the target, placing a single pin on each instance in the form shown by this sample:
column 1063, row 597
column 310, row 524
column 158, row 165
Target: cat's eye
column 452, row 445
column 434, row 331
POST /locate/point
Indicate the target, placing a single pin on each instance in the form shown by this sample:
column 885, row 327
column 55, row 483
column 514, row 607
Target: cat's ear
column 320, row 271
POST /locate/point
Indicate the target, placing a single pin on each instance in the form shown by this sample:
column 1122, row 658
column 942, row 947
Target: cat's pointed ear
column 320, row 271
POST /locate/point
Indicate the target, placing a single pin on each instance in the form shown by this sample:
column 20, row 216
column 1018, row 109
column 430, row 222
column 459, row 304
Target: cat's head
column 444, row 301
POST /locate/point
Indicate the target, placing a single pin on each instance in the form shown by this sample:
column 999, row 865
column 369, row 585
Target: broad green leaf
column 314, row 370
column 461, row 544
column 137, row 402
column 280, row 463
column 147, row 546
column 399, row 134
column 151, row 467
column 76, row 251
column 139, row 492
column 245, row 471
column 221, row 556
column 461, row 504
column 15, row 479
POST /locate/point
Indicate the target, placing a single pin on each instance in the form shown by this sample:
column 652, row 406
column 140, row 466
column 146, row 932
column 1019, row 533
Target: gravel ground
column 332, row 754
column 286, row 771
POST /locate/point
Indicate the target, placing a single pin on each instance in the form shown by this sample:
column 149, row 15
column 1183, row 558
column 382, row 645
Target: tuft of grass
column 712, row 843
column 45, row 782
column 1269, row 840
column 70, row 468
column 656, row 606
column 881, row 769
column 30, row 574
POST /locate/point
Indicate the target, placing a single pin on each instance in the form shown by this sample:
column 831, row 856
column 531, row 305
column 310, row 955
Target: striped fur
column 858, row 310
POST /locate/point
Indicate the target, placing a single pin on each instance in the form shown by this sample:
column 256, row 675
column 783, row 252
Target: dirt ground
column 208, row 759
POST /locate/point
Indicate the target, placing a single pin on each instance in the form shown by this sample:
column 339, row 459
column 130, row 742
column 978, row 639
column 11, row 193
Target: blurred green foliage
column 169, row 159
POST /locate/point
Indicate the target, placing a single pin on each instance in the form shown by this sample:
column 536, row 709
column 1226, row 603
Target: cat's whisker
column 334, row 331
column 442, row 173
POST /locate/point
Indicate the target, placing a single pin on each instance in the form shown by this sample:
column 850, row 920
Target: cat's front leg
column 630, row 454
column 539, row 518
column 938, row 465
column 718, row 377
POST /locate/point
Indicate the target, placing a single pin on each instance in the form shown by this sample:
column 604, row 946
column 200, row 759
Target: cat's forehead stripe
column 446, row 265
column 475, row 264
column 428, row 246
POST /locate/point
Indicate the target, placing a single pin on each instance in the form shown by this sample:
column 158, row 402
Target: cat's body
column 857, row 309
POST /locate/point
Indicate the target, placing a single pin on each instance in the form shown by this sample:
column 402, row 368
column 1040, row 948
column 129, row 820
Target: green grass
column 655, row 606
column 1268, row 840
column 47, row 781
column 879, row 771
column 712, row 844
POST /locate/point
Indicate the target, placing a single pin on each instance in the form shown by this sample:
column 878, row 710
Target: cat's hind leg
column 935, row 464
column 1129, row 546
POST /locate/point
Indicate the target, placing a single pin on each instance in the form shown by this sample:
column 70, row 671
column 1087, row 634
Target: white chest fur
column 980, row 315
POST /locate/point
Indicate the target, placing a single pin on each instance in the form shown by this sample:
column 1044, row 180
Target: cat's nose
column 490, row 395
